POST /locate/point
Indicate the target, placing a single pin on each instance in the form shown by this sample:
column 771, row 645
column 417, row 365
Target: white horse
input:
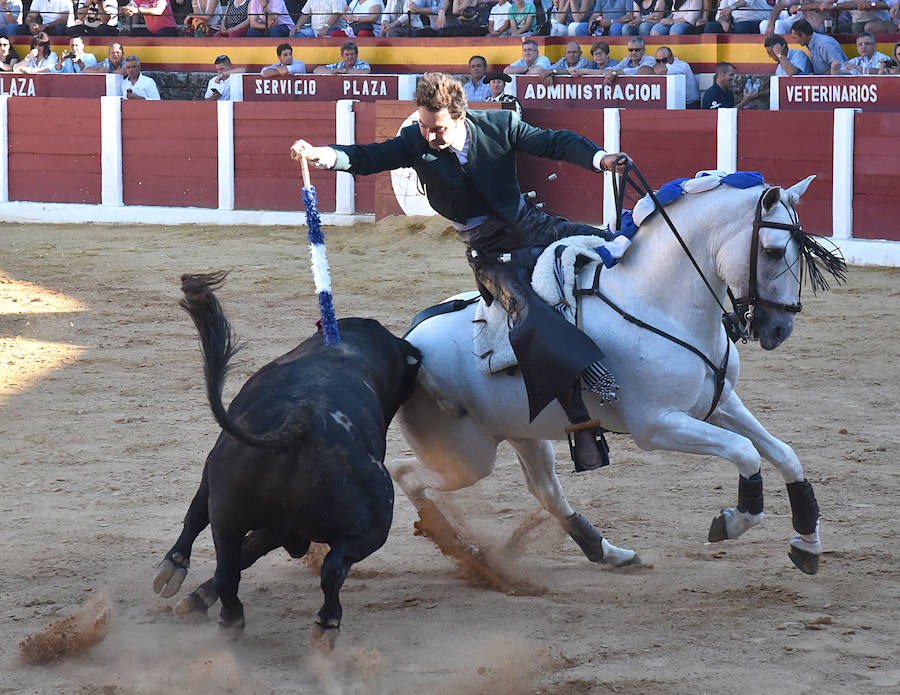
column 458, row 416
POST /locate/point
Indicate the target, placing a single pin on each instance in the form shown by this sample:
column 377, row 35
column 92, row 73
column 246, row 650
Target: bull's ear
column 770, row 198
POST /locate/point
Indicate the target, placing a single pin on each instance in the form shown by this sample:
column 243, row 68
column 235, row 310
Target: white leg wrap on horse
column 809, row 542
column 618, row 556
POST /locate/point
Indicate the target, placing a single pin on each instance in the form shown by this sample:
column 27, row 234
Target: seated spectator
column 114, row 63
column 895, row 15
column 52, row 17
column 464, row 18
column 565, row 12
column 783, row 15
column 475, row 87
column 361, row 18
column 522, row 18
column 600, row 54
column 235, row 20
column 75, row 60
column 40, row 59
column 497, row 82
column 286, row 64
column 349, row 64
column 96, row 18
column 823, row 50
column 531, row 62
column 739, row 17
column 643, row 18
column 892, row 66
column 570, row 63
column 791, row 61
column 8, row 55
column 205, row 18
column 219, row 86
column 135, row 85
column 637, row 57
column 498, row 21
column 609, row 17
column 668, row 64
column 10, row 16
column 269, row 18
column 318, row 18
column 721, row 94
column 686, row 18
column 868, row 62
column 408, row 18
column 866, row 15
column 157, row 15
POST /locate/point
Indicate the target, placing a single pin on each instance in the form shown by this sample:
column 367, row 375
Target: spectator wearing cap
column 497, row 82
column 40, row 59
column 349, row 64
column 531, row 62
column 269, row 18
column 135, row 85
column 219, row 86
column 286, row 64
column 52, row 17
column 157, row 15
column 475, row 87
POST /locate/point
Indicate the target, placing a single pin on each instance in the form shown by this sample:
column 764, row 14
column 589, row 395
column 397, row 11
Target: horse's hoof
column 322, row 639
column 717, row 530
column 805, row 561
column 633, row 561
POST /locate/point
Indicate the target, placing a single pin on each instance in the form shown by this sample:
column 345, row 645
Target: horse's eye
column 774, row 254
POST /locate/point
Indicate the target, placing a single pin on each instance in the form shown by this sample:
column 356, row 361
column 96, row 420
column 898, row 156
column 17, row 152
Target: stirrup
column 597, row 440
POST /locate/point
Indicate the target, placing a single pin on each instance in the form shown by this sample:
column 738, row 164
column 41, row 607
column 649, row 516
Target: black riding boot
column 586, row 444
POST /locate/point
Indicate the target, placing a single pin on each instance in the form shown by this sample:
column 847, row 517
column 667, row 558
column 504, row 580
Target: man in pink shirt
column 157, row 15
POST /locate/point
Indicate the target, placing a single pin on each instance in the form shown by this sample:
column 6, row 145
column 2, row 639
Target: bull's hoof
column 190, row 604
column 170, row 575
column 323, row 639
column 717, row 530
column 805, row 561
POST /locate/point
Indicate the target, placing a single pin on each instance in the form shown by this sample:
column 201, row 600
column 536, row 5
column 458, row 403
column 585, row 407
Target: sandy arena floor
column 104, row 428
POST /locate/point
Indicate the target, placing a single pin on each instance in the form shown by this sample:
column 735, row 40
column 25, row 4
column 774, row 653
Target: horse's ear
column 770, row 198
column 792, row 194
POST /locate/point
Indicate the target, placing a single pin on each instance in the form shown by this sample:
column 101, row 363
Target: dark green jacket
column 494, row 139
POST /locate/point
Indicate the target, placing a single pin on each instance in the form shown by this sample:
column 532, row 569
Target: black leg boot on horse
column 552, row 353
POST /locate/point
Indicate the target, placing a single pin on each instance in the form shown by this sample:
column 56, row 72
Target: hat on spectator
column 496, row 76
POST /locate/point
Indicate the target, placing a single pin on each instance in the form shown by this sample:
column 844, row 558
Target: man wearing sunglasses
column 637, row 58
column 219, row 87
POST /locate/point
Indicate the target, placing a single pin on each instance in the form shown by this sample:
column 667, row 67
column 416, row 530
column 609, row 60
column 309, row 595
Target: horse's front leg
column 536, row 459
column 806, row 545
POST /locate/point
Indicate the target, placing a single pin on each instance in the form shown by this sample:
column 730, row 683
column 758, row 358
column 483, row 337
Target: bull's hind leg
column 254, row 546
column 536, row 458
column 806, row 546
column 228, row 576
column 173, row 569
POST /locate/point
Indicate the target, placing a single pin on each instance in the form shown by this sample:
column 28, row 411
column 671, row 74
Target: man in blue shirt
column 475, row 88
column 790, row 60
column 823, row 50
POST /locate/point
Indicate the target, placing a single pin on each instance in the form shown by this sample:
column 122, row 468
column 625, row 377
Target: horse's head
column 779, row 252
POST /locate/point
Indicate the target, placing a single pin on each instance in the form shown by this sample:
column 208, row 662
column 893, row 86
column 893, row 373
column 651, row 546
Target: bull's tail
column 218, row 346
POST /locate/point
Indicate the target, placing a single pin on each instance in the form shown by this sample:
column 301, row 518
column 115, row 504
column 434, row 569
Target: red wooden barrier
column 666, row 146
column 169, row 153
column 54, row 150
column 265, row 177
column 787, row 147
column 576, row 194
column 876, row 177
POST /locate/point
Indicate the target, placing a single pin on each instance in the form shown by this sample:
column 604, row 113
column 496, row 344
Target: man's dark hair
column 349, row 46
column 600, row 46
column 222, row 59
column 437, row 91
column 284, row 47
column 724, row 67
column 801, row 26
column 481, row 58
column 669, row 54
column 532, row 42
column 775, row 39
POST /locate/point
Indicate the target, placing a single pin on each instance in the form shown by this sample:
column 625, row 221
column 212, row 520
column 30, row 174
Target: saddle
column 562, row 267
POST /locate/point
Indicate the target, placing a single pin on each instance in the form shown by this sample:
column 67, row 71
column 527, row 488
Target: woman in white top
column 40, row 59
column 686, row 18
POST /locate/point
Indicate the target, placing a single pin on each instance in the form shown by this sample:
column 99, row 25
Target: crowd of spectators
column 401, row 18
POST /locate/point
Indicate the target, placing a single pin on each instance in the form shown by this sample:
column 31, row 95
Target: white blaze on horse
column 668, row 394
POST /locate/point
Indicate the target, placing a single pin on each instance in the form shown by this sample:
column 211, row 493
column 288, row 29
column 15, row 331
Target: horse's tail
column 218, row 346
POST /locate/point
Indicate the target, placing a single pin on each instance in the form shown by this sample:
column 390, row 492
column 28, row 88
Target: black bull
column 301, row 457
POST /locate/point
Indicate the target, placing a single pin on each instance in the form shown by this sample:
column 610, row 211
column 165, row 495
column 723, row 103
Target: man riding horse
column 466, row 161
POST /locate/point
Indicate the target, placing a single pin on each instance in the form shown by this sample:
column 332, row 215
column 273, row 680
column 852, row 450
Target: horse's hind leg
column 806, row 545
column 536, row 459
